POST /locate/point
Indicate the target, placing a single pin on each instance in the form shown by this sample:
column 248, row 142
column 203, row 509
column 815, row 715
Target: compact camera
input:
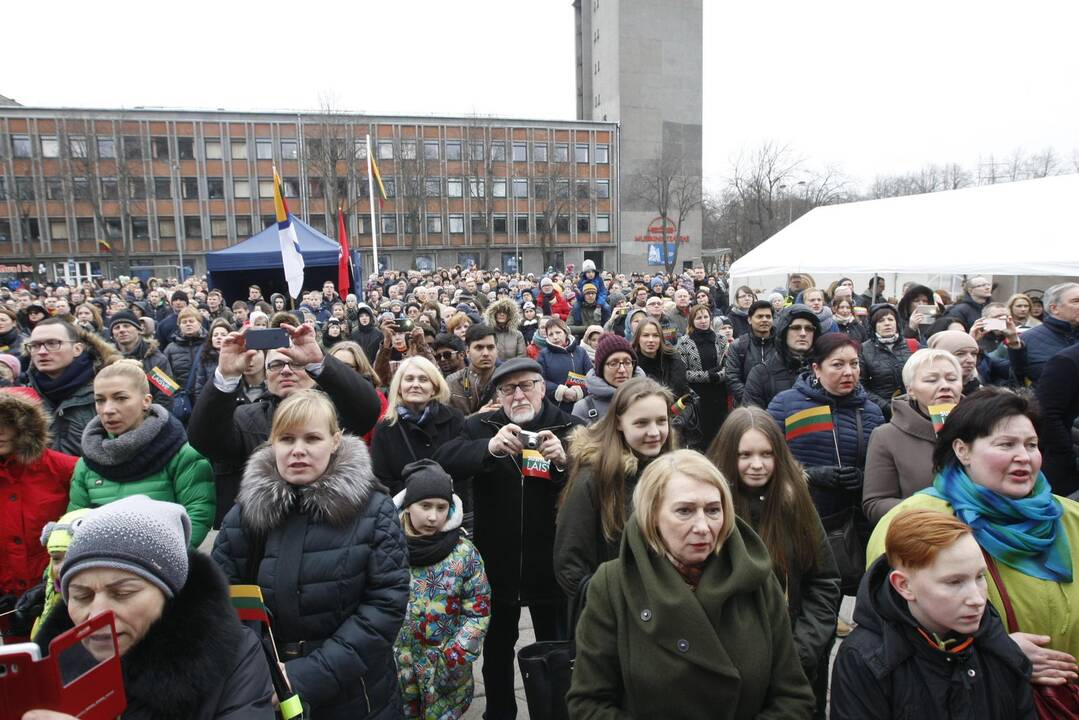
column 402, row 324
column 529, row 439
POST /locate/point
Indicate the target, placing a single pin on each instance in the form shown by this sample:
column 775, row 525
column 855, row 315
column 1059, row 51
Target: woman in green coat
column 689, row 622
column 133, row 447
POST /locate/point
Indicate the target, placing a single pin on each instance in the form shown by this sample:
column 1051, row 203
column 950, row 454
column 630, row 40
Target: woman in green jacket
column 133, row 447
column 689, row 622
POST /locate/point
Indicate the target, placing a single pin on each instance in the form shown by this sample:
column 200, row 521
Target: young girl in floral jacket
column 449, row 602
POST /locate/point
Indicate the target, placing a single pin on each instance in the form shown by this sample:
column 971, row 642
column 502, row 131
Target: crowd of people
column 684, row 477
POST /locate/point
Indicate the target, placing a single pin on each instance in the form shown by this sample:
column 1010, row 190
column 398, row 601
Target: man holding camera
column 516, row 459
column 401, row 338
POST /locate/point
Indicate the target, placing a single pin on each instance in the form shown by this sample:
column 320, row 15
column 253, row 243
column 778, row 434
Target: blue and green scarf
column 1025, row 533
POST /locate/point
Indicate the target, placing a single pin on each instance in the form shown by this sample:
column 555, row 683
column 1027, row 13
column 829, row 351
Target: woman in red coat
column 34, row 482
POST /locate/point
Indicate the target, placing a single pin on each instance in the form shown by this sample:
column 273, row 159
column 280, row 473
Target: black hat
column 124, row 316
column 426, row 479
column 512, row 367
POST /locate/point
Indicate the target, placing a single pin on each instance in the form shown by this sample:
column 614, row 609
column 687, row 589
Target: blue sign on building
column 655, row 252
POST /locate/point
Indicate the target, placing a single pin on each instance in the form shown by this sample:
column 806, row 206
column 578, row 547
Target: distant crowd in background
column 684, row 476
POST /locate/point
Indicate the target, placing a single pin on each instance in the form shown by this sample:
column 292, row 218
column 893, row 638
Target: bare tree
column 329, row 151
column 674, row 191
column 411, row 196
column 555, row 197
column 25, row 211
column 481, row 163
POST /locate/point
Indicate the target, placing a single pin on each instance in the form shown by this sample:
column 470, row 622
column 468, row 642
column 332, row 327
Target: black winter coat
column 334, row 575
column 394, row 446
column 227, row 433
column 886, row 669
column 746, row 351
column 514, row 514
column 882, row 371
column 778, row 372
column 197, row 662
column 1058, row 395
column 181, row 353
column 967, row 310
column 666, row 368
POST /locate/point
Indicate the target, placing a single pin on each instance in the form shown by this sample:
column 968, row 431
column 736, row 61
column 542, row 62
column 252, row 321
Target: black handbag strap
column 859, row 457
column 404, row 435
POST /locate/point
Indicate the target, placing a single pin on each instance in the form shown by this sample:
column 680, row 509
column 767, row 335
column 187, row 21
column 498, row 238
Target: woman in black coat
column 658, row 359
column 417, row 422
column 883, row 356
column 316, row 531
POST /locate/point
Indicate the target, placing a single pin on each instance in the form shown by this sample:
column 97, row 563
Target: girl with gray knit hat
column 184, row 653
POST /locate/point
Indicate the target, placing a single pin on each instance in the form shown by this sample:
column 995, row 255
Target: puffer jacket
column 592, row 277
column 397, row 445
column 584, row 315
column 556, row 364
column 334, row 574
column 746, row 352
column 779, row 371
column 818, row 449
column 967, row 310
column 368, row 337
column 181, row 353
column 197, row 662
column 153, row 459
column 508, row 339
column 1045, row 341
column 882, row 371
column 1058, row 395
column 886, row 669
column 34, row 482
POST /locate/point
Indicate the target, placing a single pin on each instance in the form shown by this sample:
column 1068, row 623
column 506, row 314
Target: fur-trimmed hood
column 31, row 425
column 507, row 306
column 102, row 352
column 335, row 498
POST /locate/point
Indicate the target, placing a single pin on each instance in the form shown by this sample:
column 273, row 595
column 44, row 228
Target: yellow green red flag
column 814, row 419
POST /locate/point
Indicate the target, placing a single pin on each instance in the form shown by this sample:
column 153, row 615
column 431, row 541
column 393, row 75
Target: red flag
column 344, row 260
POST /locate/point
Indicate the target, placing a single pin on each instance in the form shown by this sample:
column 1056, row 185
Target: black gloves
column 848, row 477
column 835, row 477
column 716, row 375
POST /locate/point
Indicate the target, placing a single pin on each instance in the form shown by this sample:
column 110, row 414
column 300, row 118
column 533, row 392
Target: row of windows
column 500, row 223
column 161, row 189
column 131, row 149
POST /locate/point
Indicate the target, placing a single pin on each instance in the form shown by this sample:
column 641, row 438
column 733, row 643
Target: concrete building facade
column 639, row 63
column 89, row 192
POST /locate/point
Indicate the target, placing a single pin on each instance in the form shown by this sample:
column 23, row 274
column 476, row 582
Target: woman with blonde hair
column 418, row 420
column 134, row 447
column 606, row 460
column 1020, row 307
column 689, row 620
column 314, row 529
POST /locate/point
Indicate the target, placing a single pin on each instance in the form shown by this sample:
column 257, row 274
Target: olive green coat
column 648, row 646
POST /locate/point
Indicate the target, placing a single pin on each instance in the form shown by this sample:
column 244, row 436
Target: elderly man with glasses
column 516, row 459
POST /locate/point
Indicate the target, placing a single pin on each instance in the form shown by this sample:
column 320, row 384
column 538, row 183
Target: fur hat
column 611, row 343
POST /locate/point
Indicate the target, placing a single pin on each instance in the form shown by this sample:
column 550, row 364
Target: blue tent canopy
column 263, row 251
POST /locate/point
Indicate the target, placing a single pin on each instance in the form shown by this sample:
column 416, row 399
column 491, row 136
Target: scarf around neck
column 424, row 550
column 74, row 376
column 136, row 454
column 420, row 420
column 1025, row 534
column 887, row 340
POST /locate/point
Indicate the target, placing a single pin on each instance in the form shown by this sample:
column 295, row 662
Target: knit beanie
column 142, row 536
column 56, row 536
column 426, row 479
column 13, row 363
column 615, row 298
column 611, row 343
column 952, row 341
column 587, row 287
column 124, row 316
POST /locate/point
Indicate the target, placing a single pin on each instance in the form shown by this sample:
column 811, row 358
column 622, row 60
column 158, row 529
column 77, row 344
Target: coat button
column 971, row 672
column 646, row 614
column 683, row 646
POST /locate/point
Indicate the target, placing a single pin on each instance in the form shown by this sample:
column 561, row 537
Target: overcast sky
column 871, row 88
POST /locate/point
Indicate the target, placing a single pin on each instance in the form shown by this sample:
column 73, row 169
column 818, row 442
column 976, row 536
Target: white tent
column 1020, row 228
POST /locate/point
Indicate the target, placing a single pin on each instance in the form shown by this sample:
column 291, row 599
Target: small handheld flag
column 679, row 406
column 249, row 605
column 814, row 419
column 161, row 380
column 939, row 414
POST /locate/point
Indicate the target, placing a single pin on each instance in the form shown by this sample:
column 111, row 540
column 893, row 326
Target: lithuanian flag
column 939, row 413
column 161, row 380
column 378, row 179
column 679, row 406
column 534, row 465
column 814, row 419
column 247, row 601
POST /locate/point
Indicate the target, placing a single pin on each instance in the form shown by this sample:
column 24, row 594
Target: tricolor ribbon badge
column 535, row 465
column 939, row 414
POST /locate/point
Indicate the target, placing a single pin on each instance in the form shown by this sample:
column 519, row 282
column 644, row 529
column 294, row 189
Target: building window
column 189, row 188
column 219, row 227
column 136, row 187
column 110, row 189
column 58, row 230
column 243, row 226
column 409, row 225
column 522, row 224
column 213, row 149
column 385, row 150
column 132, row 147
column 264, row 150
column 475, row 150
column 241, row 188
column 454, row 187
column 166, row 228
column 430, row 150
column 76, row 145
column 363, row 224
column 602, row 154
column 539, row 152
column 314, row 187
column 106, row 148
column 582, row 189
column 238, row 148
column 390, row 184
column 192, row 227
column 541, row 223
column 561, row 189
column 163, row 188
column 290, row 150
column 113, row 228
column 541, row 189
column 24, row 188
column 432, row 187
column 603, row 223
column 359, row 149
column 290, row 186
column 498, row 188
column 408, row 149
column 582, row 223
column 520, row 152
column 603, row 189
column 159, row 148
column 84, row 228
column 215, row 188
column 389, row 225
column 434, row 224
column 562, row 224
column 457, row 224
column 318, row 222
column 185, row 148
column 266, row 188
column 54, row 188
column 20, row 146
column 140, row 228
column 580, row 153
column 498, row 151
column 50, row 147
column 561, row 153
column 476, row 187
column 80, row 188
column 453, row 149
column 3, row 188
column 520, row 188
column 479, row 224
column 499, row 222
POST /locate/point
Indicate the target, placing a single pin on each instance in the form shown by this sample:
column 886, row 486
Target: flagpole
column 371, row 202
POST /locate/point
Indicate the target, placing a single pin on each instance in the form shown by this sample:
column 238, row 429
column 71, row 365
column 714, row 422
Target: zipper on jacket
column 363, row 684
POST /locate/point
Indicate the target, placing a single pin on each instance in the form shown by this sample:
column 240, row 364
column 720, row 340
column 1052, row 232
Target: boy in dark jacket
column 927, row 644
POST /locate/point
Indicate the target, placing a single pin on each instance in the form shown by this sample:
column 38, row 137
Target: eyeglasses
column 801, row 328
column 510, row 389
column 445, row 355
column 50, row 345
column 277, row 366
column 615, row 364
